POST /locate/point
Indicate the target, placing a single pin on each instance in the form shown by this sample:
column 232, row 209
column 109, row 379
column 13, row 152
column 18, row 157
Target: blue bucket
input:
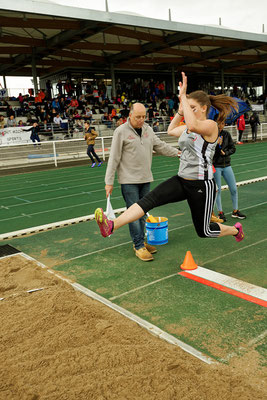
column 157, row 232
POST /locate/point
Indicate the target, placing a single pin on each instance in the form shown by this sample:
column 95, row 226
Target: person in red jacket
column 241, row 127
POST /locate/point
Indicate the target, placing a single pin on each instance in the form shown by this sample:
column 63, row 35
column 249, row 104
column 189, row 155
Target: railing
column 72, row 150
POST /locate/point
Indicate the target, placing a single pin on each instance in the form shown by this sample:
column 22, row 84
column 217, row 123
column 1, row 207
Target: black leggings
column 91, row 152
column 199, row 194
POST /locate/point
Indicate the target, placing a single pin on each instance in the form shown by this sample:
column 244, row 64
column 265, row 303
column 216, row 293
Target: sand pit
column 57, row 343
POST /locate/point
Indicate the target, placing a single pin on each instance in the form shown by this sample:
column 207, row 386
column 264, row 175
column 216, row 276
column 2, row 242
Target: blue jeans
column 229, row 178
column 131, row 194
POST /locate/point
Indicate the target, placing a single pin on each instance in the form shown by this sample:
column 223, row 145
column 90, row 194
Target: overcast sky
column 246, row 15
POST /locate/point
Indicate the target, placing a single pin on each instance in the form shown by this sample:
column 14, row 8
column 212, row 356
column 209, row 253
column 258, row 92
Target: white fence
column 70, row 150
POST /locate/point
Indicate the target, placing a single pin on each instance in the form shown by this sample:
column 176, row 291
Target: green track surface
column 216, row 323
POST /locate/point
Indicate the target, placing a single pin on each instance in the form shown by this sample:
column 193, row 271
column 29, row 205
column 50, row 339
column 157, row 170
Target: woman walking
column 222, row 163
column 194, row 182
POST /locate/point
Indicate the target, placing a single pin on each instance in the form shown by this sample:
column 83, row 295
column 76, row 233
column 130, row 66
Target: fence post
column 261, row 130
column 103, row 149
column 55, row 154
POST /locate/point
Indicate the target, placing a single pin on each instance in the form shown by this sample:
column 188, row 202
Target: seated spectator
column 150, row 114
column 46, row 126
column 114, row 114
column 156, row 126
column 11, row 122
column 106, row 120
column 10, row 111
column 73, row 105
column 120, row 121
column 88, row 113
column 56, row 105
column 2, row 122
column 163, row 107
column 57, row 120
column 125, row 112
column 20, row 123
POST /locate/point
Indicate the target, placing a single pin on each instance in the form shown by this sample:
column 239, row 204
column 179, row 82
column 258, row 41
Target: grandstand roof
column 66, row 38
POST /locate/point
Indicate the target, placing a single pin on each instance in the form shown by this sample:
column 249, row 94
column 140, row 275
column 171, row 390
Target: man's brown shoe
column 151, row 249
column 216, row 219
column 144, row 254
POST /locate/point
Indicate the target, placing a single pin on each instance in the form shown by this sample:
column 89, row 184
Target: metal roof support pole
column 264, row 81
column 174, row 86
column 4, row 79
column 222, row 80
column 34, row 73
column 113, row 82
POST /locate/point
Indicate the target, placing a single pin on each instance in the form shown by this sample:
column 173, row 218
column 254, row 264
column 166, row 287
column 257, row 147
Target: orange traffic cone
column 189, row 262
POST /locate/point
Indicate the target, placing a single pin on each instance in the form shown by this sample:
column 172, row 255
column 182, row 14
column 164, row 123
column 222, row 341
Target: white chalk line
column 111, row 247
column 251, row 343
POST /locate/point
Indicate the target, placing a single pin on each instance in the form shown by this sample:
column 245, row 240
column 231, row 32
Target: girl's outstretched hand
column 183, row 85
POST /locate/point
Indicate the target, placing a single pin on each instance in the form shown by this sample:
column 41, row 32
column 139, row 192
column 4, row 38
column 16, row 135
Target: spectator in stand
column 254, row 122
column 120, row 121
column 10, row 111
column 58, row 120
column 90, row 135
column 106, row 120
column 88, row 113
column 241, row 127
column 48, row 88
column 62, row 105
column 73, row 105
column 2, row 122
column 11, row 122
column 54, row 114
column 114, row 114
column 150, row 114
column 163, row 107
column 59, row 87
column 125, row 112
column 156, row 126
column 46, row 126
column 171, row 105
column 38, row 113
column 56, row 105
column 34, row 133
column 68, row 88
column 20, row 99
column 78, row 88
column 21, row 123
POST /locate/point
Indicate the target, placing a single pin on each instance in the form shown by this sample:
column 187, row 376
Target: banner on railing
column 14, row 136
column 257, row 107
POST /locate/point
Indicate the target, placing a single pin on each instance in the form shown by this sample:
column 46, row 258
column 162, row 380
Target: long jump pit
column 57, row 343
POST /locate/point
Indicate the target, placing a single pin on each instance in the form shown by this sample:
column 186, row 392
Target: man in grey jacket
column 131, row 153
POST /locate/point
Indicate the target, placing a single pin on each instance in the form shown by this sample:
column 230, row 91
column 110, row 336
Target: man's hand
column 108, row 189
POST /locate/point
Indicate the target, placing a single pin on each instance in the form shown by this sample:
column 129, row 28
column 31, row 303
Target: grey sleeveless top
column 196, row 157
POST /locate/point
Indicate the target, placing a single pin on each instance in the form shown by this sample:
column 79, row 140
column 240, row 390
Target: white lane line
column 142, row 287
column 231, row 283
column 235, row 251
column 96, row 181
column 112, row 247
column 55, row 209
column 19, row 198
